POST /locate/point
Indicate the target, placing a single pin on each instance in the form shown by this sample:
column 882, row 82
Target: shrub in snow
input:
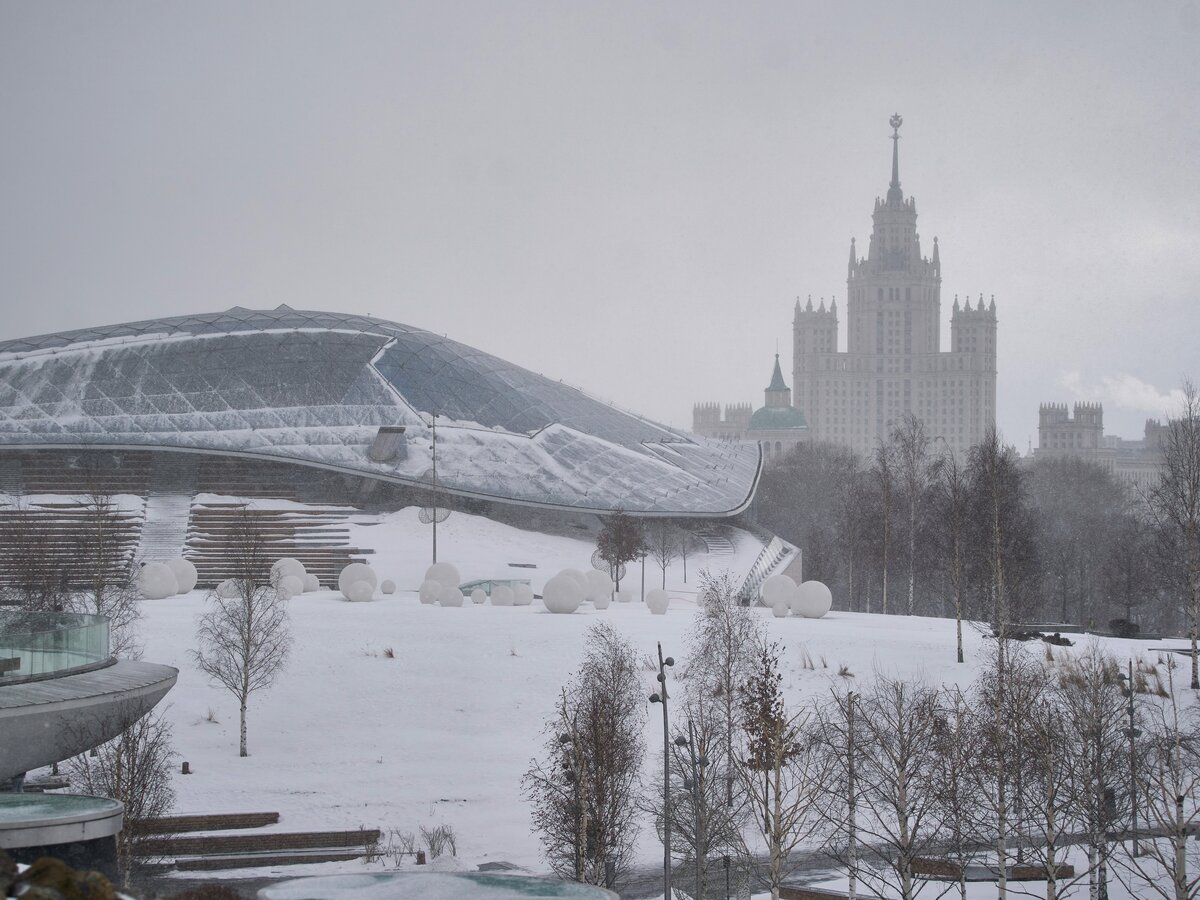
column 360, row 592
column 287, row 566
column 290, row 586
column 185, row 574
column 451, row 597
column 657, row 601
column 445, row 574
column 522, row 595
column 780, row 610
column 353, row 573
column 156, row 581
column 815, row 600
column 562, row 594
column 777, row 589
column 598, row 585
column 227, row 589
column 479, row 595
column 429, row 592
column 388, row 587
column 311, row 583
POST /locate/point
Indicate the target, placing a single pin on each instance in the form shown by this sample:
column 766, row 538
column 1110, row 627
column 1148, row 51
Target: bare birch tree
column 1175, row 502
column 244, row 640
column 782, row 769
column 951, row 501
column 917, row 471
column 957, row 795
column 884, row 472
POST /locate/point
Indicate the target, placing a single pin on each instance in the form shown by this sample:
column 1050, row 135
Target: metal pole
column 435, row 488
column 661, row 697
column 852, row 892
column 1132, row 769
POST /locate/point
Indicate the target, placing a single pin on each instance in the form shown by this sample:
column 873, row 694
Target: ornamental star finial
column 895, row 121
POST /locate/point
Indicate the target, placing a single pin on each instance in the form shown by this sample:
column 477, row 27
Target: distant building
column 776, row 426
column 1079, row 432
column 894, row 363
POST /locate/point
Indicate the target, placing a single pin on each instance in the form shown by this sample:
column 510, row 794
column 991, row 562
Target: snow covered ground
column 442, row 731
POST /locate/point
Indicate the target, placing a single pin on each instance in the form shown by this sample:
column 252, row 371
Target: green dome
column 777, row 418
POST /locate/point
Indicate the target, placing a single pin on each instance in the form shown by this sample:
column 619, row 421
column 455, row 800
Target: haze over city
column 629, row 199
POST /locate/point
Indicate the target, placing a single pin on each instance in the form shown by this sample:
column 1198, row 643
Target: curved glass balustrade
column 36, row 644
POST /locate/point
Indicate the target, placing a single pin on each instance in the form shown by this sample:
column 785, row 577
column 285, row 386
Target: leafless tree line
column 917, row 530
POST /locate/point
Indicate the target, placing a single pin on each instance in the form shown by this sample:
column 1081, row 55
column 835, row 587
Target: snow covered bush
column 657, row 601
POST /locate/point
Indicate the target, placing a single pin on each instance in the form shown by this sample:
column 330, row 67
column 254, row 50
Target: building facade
column 1079, row 432
column 893, row 363
column 777, row 426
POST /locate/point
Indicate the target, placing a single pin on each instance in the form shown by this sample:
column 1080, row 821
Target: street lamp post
column 695, row 785
column 661, row 697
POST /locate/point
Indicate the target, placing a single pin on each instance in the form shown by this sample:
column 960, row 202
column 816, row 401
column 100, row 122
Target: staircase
column 168, row 506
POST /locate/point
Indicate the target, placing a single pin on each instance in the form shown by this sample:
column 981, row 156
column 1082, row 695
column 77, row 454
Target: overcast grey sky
column 628, row 197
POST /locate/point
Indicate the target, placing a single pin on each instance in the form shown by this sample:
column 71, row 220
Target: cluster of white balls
column 812, row 599
column 570, row 588
column 441, row 587
column 159, row 580
column 288, row 577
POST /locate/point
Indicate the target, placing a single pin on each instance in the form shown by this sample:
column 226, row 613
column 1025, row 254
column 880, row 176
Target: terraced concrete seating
column 211, row 822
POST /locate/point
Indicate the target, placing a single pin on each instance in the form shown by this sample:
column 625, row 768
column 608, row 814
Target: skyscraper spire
column 894, row 193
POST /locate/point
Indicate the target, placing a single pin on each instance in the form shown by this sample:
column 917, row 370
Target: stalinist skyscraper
column 894, row 363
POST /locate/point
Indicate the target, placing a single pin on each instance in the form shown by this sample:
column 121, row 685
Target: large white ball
column 287, row 566
column 451, row 596
column 445, row 574
column 479, row 595
column 156, row 581
column 388, row 587
column 360, row 592
column 311, row 583
column 562, row 594
column 503, row 595
column 777, row 589
column 598, row 585
column 290, row 586
column 227, row 589
column 579, row 577
column 356, row 572
column 624, row 596
column 815, row 600
column 184, row 572
column 779, row 610
column 430, row 591
column 602, row 601
column 522, row 594
column 657, row 600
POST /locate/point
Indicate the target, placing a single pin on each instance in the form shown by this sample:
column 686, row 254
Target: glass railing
column 34, row 644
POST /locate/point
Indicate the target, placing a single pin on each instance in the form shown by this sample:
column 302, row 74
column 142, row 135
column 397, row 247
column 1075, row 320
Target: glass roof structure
column 315, row 388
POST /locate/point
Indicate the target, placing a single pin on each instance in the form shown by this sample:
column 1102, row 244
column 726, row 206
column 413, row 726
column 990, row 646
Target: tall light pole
column 661, row 697
column 695, row 784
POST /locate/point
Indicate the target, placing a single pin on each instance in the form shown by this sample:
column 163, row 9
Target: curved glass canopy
column 315, row 387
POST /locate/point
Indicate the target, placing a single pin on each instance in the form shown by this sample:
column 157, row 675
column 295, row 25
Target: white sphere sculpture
column 522, row 594
column 657, row 600
column 430, row 591
column 184, row 572
column 776, row 589
column 453, row 597
column 624, row 596
column 388, row 587
column 227, row 589
column 287, row 566
column 503, row 595
column 602, row 601
column 356, row 572
column 598, row 585
column 311, row 583
column 562, row 594
column 360, row 592
column 445, row 574
column 579, row 577
column 479, row 595
column 779, row 610
column 815, row 600
column 290, row 586
column 156, row 581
